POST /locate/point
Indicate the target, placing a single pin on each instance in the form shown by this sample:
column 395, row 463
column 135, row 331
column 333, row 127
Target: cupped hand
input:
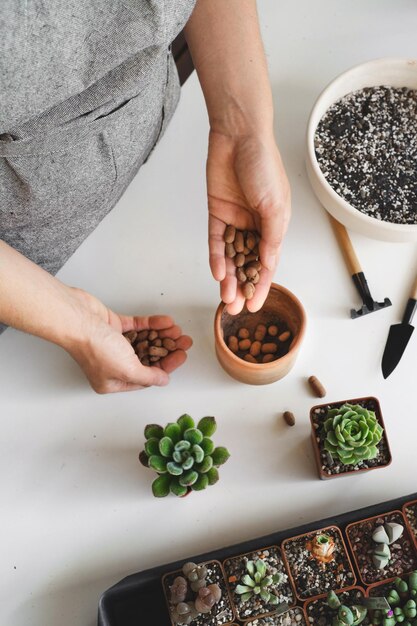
column 248, row 188
column 107, row 358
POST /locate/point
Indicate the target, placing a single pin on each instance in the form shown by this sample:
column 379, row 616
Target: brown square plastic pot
column 304, row 621
column 230, row 591
column 370, row 519
column 316, row 447
column 322, row 596
column 410, row 528
column 179, row 573
column 314, row 532
column 280, row 303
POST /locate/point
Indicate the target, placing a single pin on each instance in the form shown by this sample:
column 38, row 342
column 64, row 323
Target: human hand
column 248, row 188
column 107, row 358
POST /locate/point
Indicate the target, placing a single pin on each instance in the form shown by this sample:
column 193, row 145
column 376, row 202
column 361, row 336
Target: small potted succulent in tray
column 341, row 608
column 318, row 562
column 259, row 584
column 349, row 437
column 197, row 595
column 382, row 547
column 183, row 455
column 401, row 599
column 410, row 514
column 292, row 617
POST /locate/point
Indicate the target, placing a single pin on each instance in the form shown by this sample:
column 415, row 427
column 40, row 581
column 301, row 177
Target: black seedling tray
column 138, row 600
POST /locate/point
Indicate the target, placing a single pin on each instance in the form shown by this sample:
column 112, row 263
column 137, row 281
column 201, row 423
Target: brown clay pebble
column 142, row 335
column 284, row 336
column 249, row 358
column 230, row 250
column 273, row 330
column 240, row 260
column 267, row 358
column 131, row 335
column 246, row 251
column 153, row 334
column 252, row 258
column 255, row 278
column 248, row 290
column 157, row 342
column 250, row 241
column 316, row 386
column 243, row 333
column 154, row 359
column 233, row 343
column 156, row 351
column 169, row 344
column 268, row 348
column 145, row 361
column 260, row 332
column 240, row 275
column 229, row 234
column 257, row 265
column 244, row 344
column 255, row 348
column 238, row 242
column 289, row 418
column 251, row 273
column 142, row 348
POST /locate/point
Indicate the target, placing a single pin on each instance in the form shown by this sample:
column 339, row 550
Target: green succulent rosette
column 352, row 434
column 183, row 454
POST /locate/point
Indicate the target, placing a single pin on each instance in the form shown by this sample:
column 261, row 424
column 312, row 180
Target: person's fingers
column 137, row 322
column 184, row 342
column 273, row 229
column 228, row 286
column 261, row 291
column 235, row 307
column 149, row 376
column 173, row 360
column 217, row 259
column 173, row 333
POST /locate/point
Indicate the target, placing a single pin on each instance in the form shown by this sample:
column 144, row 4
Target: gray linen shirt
column 86, row 90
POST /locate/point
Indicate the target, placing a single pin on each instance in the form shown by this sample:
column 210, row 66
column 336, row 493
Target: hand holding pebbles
column 152, row 345
column 243, row 247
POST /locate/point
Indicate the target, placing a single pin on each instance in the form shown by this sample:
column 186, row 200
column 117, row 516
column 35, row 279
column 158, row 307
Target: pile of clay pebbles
column 366, row 147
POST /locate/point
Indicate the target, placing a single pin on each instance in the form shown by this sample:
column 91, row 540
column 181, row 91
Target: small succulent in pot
column 352, row 434
column 322, row 548
column 346, row 615
column 383, row 536
column 183, row 454
column 257, row 581
column 400, row 596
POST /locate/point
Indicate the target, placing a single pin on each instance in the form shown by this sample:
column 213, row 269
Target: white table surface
column 77, row 512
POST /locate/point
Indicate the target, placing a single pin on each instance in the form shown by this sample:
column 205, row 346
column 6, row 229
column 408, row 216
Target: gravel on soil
column 320, row 614
column 293, row 617
column 366, row 147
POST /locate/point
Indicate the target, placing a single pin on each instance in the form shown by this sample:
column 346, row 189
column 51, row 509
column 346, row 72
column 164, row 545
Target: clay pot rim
column 313, row 532
column 410, row 529
column 266, row 366
column 321, row 596
column 290, row 580
column 179, row 572
column 368, row 519
column 316, row 446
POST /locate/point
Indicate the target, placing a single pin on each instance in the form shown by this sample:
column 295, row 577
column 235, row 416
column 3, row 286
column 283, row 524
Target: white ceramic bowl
column 389, row 72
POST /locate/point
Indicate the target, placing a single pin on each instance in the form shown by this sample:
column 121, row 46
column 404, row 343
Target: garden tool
column 399, row 336
column 352, row 262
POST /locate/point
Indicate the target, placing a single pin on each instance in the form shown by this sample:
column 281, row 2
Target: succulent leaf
column 207, row 445
column 177, row 489
column 213, row 475
column 261, row 567
column 173, row 431
column 208, row 426
column 161, row 486
column 188, row 463
column 220, row 456
column 193, row 435
column 198, row 453
column 250, row 566
column 143, row 458
column 188, row 478
column 185, row 422
column 206, row 465
column 182, row 445
column 152, row 446
column 158, row 463
column 153, row 431
column 201, row 483
column 166, row 446
column 174, row 469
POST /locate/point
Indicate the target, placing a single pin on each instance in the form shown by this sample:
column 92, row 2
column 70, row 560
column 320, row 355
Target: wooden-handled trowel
column 399, row 336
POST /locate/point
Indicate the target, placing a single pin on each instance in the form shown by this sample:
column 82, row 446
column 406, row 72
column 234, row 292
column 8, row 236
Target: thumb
column 151, row 376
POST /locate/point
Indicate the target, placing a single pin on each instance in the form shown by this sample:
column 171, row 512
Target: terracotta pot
column 211, row 617
column 311, row 534
column 406, row 535
column 317, row 450
column 244, row 619
column 323, row 596
column 281, row 304
column 410, row 528
column 277, row 619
